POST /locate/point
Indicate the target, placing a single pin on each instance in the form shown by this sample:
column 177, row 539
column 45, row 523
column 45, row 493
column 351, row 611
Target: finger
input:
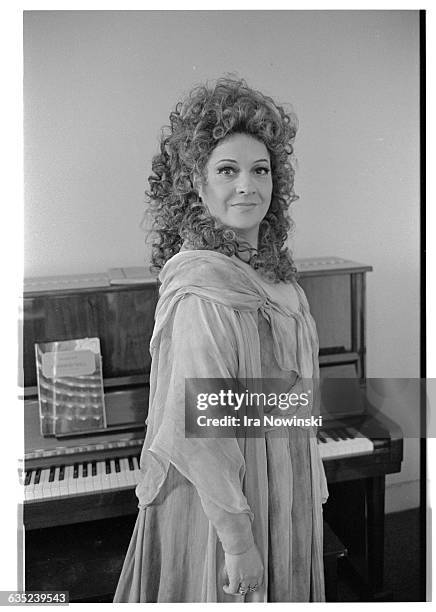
column 231, row 591
column 232, row 588
column 224, row 574
column 253, row 586
column 254, row 583
column 258, row 580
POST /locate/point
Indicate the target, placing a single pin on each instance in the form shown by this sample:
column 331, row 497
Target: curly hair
column 207, row 116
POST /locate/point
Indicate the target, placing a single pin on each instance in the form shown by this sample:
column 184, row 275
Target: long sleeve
column 199, row 342
column 234, row 530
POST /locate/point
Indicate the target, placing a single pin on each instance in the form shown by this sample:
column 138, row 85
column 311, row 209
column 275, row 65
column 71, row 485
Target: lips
column 245, row 204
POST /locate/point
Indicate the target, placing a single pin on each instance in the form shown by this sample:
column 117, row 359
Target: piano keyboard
column 340, row 442
column 81, row 478
column 123, row 472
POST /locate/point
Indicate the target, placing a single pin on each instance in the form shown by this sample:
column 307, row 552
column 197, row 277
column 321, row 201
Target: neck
column 251, row 236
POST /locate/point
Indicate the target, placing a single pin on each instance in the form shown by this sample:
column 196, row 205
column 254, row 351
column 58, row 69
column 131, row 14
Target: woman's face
column 238, row 185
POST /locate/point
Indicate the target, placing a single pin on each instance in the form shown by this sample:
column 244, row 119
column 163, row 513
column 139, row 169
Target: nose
column 244, row 185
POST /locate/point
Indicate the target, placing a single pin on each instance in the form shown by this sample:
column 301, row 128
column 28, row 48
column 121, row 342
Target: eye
column 226, row 170
column 262, row 170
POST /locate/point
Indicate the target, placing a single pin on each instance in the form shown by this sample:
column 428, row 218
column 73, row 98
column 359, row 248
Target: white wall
column 98, row 86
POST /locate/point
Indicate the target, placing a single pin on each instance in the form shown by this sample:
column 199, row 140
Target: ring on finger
column 253, row 588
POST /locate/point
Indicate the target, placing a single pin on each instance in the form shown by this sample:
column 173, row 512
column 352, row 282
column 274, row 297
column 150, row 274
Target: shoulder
column 302, row 296
column 197, row 267
column 202, row 332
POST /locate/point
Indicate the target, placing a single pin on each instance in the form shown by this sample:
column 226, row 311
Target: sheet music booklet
column 70, row 386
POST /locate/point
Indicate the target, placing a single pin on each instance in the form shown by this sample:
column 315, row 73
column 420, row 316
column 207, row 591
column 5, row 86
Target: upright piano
column 79, row 503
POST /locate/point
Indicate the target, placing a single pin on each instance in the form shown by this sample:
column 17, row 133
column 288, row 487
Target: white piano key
column 113, row 476
column 136, row 472
column 349, row 445
column 132, row 472
column 128, row 477
column 70, row 481
column 125, row 476
column 46, row 488
column 28, row 494
column 28, row 489
column 104, row 478
column 365, row 445
column 88, row 478
column 80, row 480
column 97, row 483
column 75, row 478
column 99, row 468
column 55, row 483
column 122, row 476
column 95, row 478
column 37, row 489
column 63, row 484
column 338, row 446
column 324, row 448
column 361, row 442
column 119, row 474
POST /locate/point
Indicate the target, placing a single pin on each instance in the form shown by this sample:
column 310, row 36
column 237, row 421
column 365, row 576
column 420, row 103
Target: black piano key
column 339, row 434
column 37, row 475
column 108, row 466
column 321, row 437
column 131, row 466
column 52, row 474
column 28, row 477
column 344, row 433
column 94, row 468
column 61, row 472
column 76, row 470
column 332, row 434
column 84, row 470
column 350, row 433
column 117, row 465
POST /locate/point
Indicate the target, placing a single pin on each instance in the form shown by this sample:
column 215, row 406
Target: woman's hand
column 245, row 570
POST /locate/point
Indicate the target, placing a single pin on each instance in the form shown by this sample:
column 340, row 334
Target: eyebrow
column 235, row 162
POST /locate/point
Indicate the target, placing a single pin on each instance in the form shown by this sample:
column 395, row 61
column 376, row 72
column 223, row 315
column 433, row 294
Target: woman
column 226, row 518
